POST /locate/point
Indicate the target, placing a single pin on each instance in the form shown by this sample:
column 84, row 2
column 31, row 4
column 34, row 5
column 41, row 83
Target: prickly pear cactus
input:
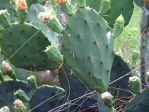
column 87, row 49
column 32, row 17
column 140, row 102
column 75, row 88
column 119, row 69
column 47, row 98
column 118, row 7
column 7, row 92
column 28, row 52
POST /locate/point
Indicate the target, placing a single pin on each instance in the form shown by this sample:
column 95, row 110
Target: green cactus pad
column 7, row 92
column 117, row 7
column 75, row 88
column 140, row 102
column 119, row 69
column 47, row 98
column 23, row 45
column 87, row 49
column 32, row 17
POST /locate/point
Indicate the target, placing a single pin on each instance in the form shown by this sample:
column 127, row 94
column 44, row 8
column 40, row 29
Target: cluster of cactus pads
column 73, row 38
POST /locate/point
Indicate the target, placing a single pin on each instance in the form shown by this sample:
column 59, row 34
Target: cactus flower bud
column 65, row 6
column 45, row 17
column 22, row 10
column 107, row 98
column 105, row 6
column 32, row 81
column 19, row 106
column 21, row 4
column 4, row 19
column 61, row 2
column 51, row 21
column 118, row 26
column 135, row 84
column 20, row 94
column 6, row 68
column 5, row 109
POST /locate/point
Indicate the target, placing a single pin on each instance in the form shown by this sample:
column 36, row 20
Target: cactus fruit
column 32, row 81
column 4, row 18
column 45, row 17
column 28, row 51
column 135, row 84
column 107, row 98
column 65, row 6
column 8, row 70
column 118, row 26
column 21, row 95
column 87, row 49
column 19, row 106
column 55, row 25
column 8, row 88
column 52, row 97
column 21, row 6
column 104, row 6
column 5, row 109
column 51, row 21
column 61, row 2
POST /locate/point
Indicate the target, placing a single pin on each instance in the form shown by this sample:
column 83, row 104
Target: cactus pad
column 47, row 98
column 140, row 102
column 32, row 17
column 87, row 49
column 75, row 89
column 117, row 7
column 24, row 46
